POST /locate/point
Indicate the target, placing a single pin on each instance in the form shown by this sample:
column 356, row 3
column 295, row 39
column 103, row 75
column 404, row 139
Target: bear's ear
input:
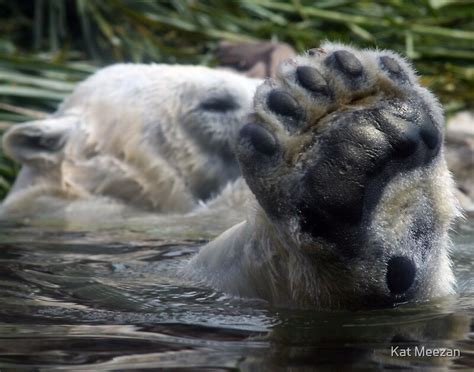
column 38, row 142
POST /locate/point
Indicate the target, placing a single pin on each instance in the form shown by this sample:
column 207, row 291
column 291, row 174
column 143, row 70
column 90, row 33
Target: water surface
column 109, row 300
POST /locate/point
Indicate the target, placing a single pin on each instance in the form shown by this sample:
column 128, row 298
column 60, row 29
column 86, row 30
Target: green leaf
column 37, row 93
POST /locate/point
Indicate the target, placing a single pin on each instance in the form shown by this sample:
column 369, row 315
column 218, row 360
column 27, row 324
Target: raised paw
column 344, row 143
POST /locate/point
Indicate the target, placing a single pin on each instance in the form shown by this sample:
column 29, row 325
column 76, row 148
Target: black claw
column 283, row 103
column 260, row 138
column 401, row 272
column 346, row 62
column 311, row 79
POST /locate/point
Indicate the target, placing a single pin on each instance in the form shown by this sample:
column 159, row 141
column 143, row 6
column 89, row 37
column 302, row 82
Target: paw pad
column 260, row 139
column 430, row 136
column 406, row 143
column 393, row 69
column 343, row 127
column 282, row 103
column 391, row 65
column 401, row 273
column 345, row 62
column 310, row 78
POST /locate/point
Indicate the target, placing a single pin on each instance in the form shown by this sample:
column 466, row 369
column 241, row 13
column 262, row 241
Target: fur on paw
column 328, row 137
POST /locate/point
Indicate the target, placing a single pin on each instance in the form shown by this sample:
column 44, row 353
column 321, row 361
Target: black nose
column 220, row 104
column 401, row 272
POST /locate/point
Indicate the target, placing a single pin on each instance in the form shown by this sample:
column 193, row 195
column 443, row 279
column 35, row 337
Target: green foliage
column 48, row 45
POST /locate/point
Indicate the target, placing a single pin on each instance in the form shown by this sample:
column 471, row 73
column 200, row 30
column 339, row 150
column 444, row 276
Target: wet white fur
column 127, row 145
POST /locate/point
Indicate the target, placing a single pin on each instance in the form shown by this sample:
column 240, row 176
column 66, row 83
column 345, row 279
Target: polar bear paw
column 330, row 132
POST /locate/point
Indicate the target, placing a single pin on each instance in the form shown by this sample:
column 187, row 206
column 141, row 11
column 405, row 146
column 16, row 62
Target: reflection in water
column 84, row 300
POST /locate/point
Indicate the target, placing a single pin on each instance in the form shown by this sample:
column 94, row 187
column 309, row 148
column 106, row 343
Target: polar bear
column 353, row 199
column 350, row 200
column 152, row 138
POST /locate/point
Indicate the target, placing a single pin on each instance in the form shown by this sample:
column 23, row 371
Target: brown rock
column 256, row 60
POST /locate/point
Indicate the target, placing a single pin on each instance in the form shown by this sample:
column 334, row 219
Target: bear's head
column 156, row 137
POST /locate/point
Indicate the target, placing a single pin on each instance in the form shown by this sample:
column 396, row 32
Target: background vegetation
column 46, row 46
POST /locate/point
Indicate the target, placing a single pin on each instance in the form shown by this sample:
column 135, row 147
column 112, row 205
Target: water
column 108, row 299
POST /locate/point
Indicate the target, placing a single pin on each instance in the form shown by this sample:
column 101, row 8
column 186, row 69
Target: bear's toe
column 260, row 139
column 312, row 80
column 345, row 62
column 401, row 273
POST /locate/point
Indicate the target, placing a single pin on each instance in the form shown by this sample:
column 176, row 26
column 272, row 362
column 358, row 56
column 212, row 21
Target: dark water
column 85, row 301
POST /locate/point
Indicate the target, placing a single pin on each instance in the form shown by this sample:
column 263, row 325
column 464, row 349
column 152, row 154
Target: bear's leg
column 344, row 155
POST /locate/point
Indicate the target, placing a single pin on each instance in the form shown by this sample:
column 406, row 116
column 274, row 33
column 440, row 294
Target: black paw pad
column 406, row 144
column 390, row 64
column 260, row 138
column 393, row 68
column 401, row 272
column 310, row 78
column 346, row 62
column 284, row 104
column 430, row 136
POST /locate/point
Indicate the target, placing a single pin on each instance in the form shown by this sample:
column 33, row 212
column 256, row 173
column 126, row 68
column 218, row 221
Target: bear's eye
column 220, row 104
